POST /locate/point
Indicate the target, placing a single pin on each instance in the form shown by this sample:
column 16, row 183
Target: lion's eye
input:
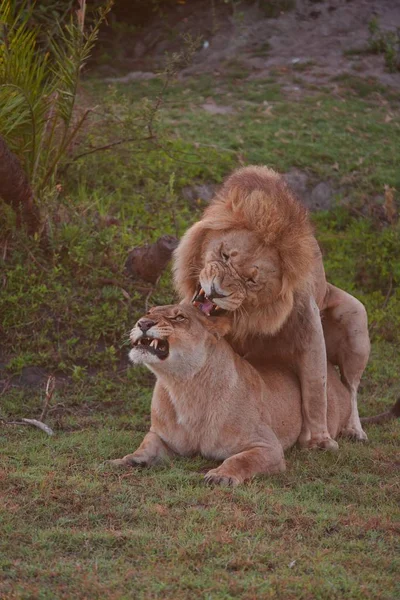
column 250, row 280
column 178, row 318
column 225, row 256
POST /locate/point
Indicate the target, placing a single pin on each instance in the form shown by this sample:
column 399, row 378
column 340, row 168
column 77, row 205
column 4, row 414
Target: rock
column 139, row 49
column 321, row 197
column 204, row 192
column 315, row 197
column 149, row 261
column 30, row 377
column 297, row 180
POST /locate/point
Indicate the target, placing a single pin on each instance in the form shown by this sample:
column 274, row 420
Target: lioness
column 254, row 255
column 210, row 401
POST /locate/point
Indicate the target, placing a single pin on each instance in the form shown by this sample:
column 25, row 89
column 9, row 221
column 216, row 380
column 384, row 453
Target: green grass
column 73, row 528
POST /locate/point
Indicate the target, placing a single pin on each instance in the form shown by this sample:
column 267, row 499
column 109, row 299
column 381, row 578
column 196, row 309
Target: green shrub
column 386, row 43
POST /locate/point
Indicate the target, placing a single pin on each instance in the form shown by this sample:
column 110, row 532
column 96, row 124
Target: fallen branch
column 50, row 387
column 32, row 422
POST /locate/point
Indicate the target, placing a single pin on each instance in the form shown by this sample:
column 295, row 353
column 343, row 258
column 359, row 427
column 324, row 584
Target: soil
column 317, row 41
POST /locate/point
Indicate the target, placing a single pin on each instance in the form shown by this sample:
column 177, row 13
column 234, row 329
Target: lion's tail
column 393, row 413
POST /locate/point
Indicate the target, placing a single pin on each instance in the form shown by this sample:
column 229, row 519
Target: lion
column 197, row 405
column 254, row 256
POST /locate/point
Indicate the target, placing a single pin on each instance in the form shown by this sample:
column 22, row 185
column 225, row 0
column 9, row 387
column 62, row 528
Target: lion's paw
column 215, row 478
column 355, row 433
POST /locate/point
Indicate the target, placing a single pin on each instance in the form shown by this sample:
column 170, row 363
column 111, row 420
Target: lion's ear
column 219, row 326
column 188, row 261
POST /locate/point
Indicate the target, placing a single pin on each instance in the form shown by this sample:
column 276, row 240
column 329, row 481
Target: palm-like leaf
column 38, row 89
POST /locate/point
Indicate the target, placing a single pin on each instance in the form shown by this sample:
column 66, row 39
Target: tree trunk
column 16, row 191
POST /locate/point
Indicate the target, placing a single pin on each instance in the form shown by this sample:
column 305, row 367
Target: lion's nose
column 145, row 324
column 214, row 294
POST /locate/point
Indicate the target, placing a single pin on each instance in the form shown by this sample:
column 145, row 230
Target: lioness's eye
column 178, row 318
column 225, row 256
column 250, row 280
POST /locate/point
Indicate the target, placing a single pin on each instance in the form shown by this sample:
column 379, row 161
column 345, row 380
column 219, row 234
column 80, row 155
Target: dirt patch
column 311, row 44
column 215, row 109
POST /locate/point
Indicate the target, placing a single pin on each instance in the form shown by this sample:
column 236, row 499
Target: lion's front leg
column 150, row 452
column 312, row 370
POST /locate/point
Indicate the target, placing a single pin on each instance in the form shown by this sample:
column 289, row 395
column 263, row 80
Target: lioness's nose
column 145, row 324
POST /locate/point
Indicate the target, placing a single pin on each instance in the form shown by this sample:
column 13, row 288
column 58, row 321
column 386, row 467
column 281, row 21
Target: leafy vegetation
column 72, row 527
column 38, row 90
column 386, row 43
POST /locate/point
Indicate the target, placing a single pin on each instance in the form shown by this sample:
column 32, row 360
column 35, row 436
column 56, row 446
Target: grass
column 73, row 528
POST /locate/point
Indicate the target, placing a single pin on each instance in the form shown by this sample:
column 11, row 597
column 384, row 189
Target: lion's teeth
column 217, row 308
column 154, row 344
column 201, row 291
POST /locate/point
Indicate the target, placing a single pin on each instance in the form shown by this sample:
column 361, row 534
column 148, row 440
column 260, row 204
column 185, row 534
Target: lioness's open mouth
column 159, row 348
column 205, row 304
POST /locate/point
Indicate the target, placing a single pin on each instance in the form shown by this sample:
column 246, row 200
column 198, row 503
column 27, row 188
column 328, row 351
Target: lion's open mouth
column 207, row 306
column 159, row 348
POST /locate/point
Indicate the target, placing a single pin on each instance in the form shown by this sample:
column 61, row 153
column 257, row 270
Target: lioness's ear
column 188, row 261
column 219, row 326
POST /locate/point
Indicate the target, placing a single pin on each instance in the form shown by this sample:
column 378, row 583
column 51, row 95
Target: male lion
column 197, row 405
column 254, row 254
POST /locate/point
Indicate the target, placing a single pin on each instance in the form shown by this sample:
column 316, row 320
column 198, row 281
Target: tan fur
column 266, row 233
column 197, row 405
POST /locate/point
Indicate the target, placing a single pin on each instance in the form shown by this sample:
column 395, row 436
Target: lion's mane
column 256, row 199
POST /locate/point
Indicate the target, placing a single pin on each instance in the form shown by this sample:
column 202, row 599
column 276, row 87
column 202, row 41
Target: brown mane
column 256, row 199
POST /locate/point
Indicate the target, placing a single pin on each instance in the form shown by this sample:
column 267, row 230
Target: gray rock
column 297, row 180
column 203, row 192
column 321, row 197
column 139, row 49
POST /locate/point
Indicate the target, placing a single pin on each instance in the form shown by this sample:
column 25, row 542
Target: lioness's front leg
column 312, row 370
column 247, row 464
column 150, row 452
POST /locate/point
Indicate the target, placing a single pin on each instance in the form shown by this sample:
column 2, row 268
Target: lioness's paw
column 215, row 478
column 128, row 461
column 354, row 433
column 323, row 444
column 118, row 462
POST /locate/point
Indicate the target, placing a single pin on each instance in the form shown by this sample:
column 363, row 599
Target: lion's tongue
column 205, row 306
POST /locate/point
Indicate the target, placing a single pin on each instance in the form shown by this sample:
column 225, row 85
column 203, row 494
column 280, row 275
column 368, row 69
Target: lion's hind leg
column 345, row 326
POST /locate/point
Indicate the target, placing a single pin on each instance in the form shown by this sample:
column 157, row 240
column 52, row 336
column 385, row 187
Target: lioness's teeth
column 201, row 291
column 217, row 307
column 154, row 344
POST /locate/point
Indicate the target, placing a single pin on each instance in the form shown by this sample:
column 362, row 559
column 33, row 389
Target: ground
column 72, row 527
